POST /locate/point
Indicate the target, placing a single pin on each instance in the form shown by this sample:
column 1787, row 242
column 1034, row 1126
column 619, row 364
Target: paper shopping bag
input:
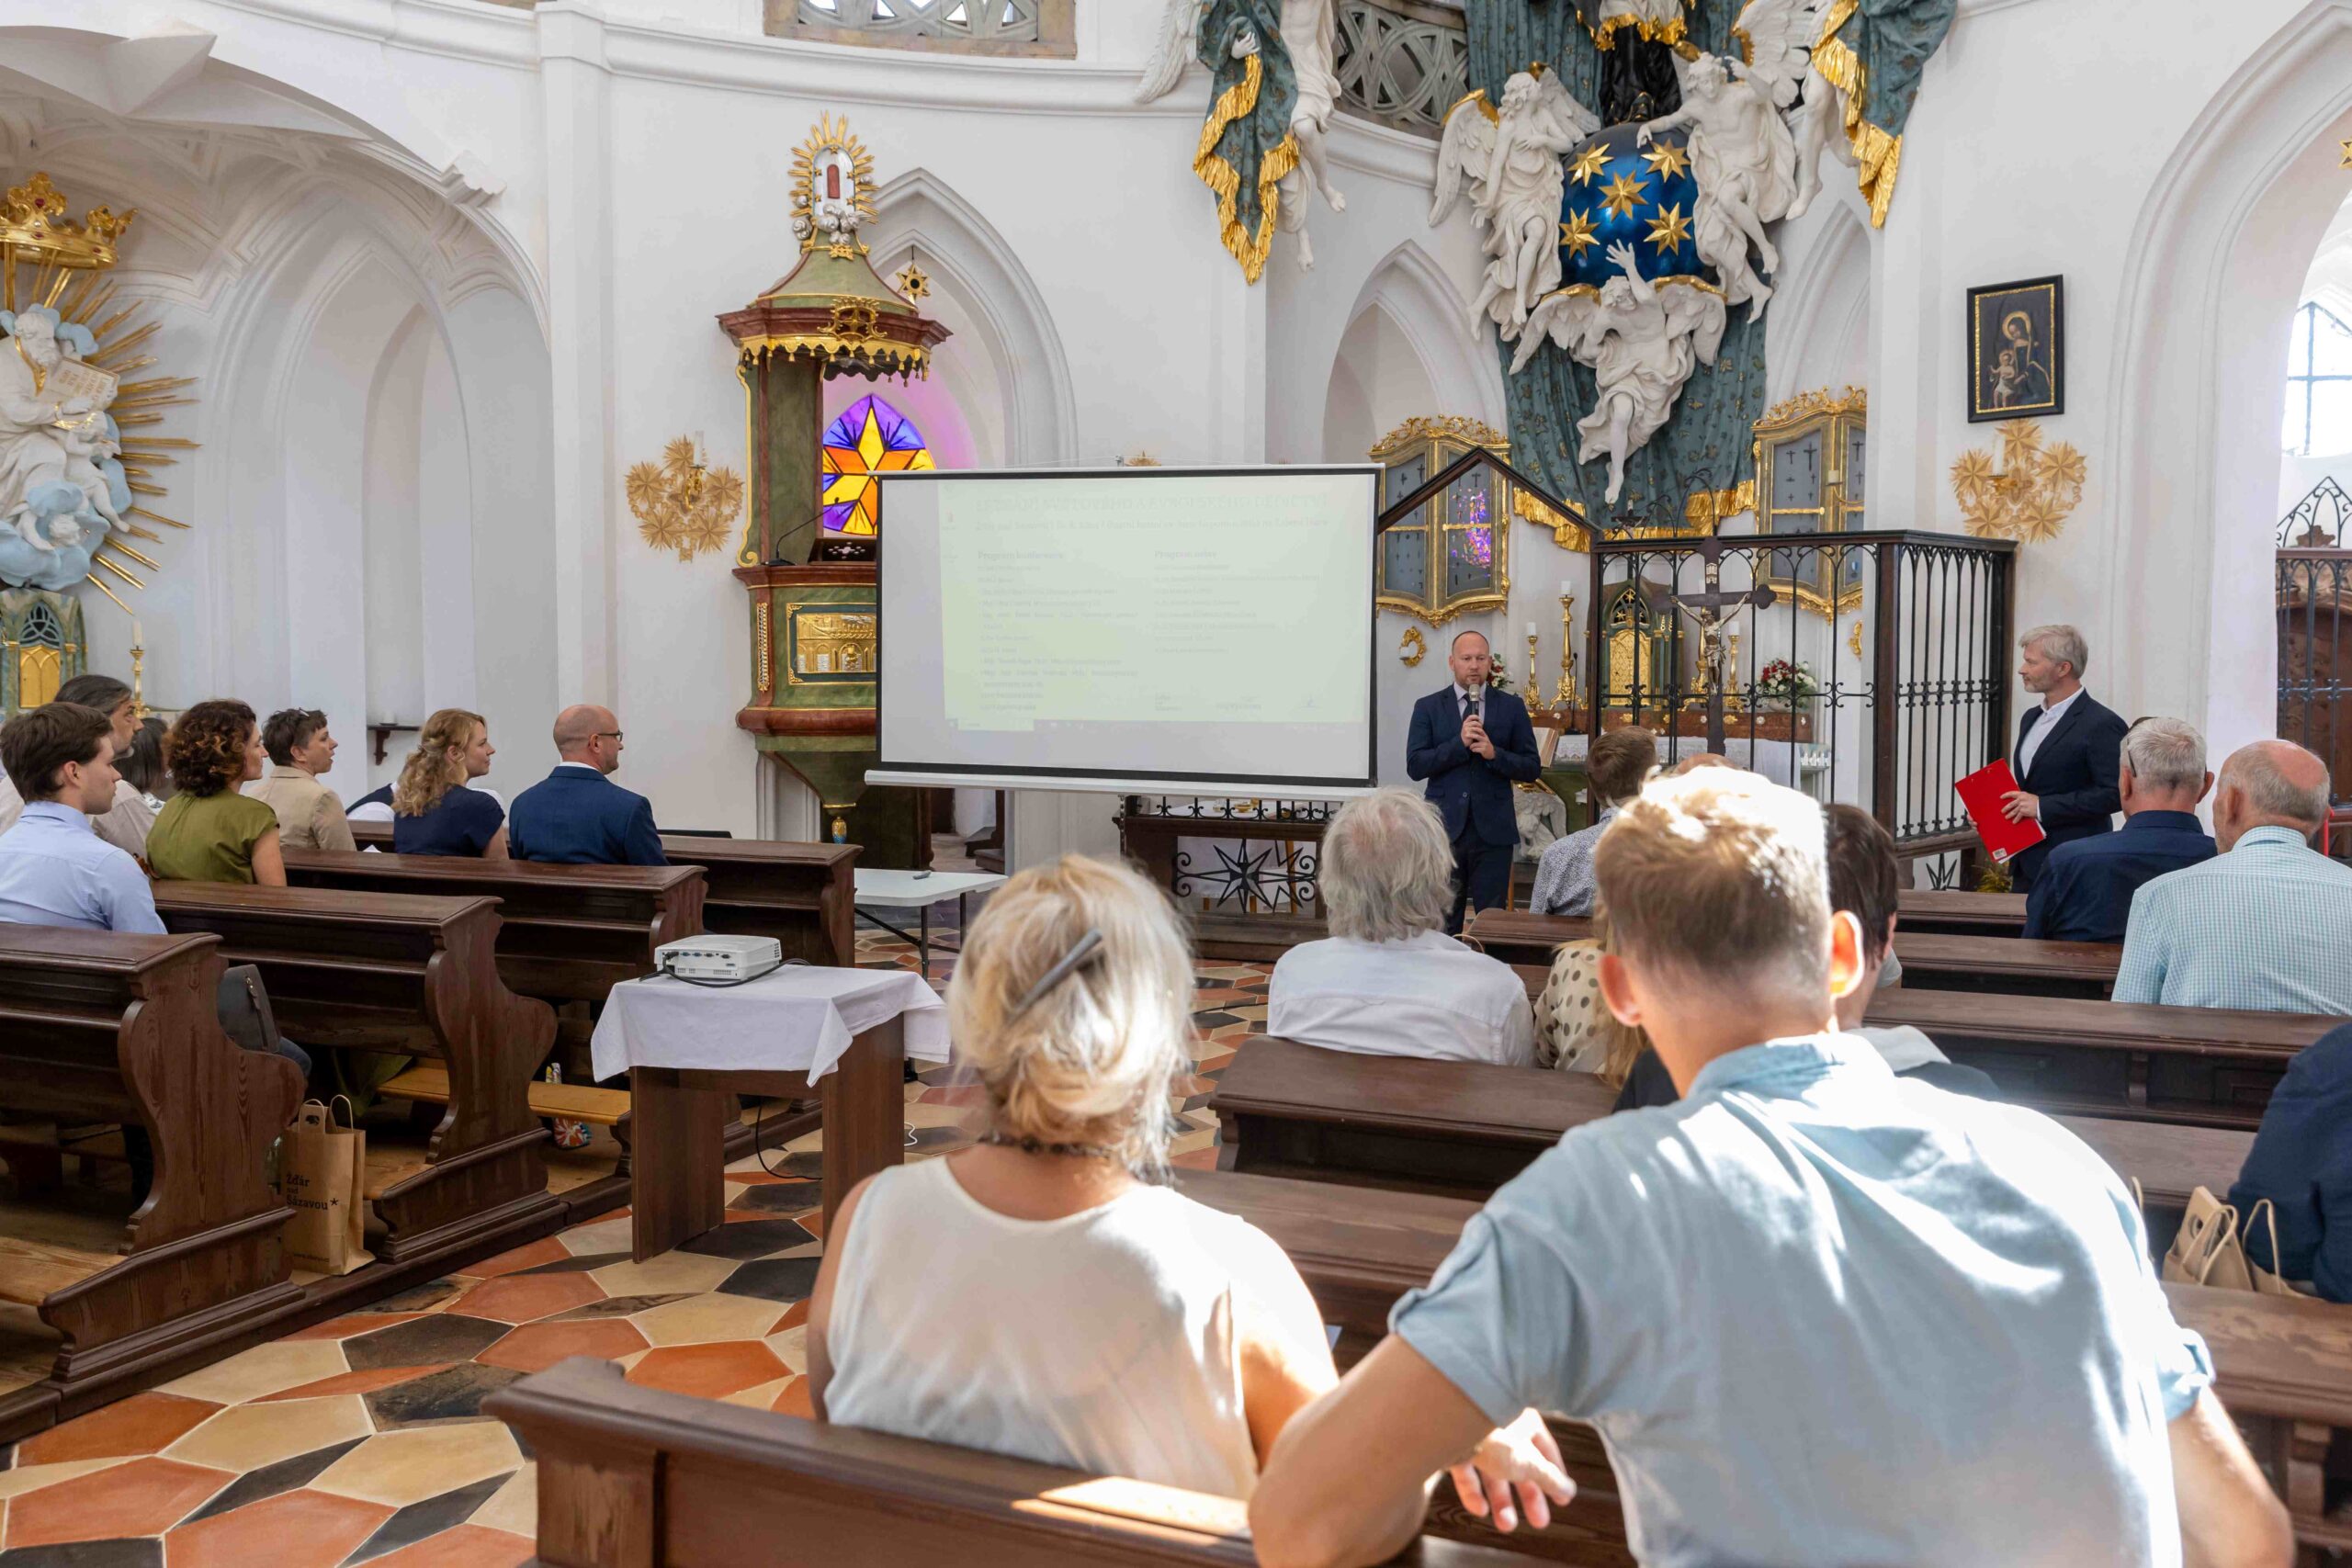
column 325, row 1170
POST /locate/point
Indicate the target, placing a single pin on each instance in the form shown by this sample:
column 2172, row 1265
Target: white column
column 575, row 87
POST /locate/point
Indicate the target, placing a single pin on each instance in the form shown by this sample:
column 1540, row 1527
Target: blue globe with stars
column 1618, row 192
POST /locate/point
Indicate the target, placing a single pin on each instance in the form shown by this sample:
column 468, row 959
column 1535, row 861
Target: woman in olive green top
column 209, row 831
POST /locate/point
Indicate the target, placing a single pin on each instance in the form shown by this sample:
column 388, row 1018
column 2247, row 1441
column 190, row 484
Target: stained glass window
column 868, row 438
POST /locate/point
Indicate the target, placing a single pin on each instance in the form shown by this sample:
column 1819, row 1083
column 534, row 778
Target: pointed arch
column 1413, row 290
column 920, row 217
column 2193, row 392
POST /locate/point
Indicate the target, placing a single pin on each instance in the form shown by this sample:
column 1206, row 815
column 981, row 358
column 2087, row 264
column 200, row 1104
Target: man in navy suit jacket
column 2084, row 890
column 1470, row 741
column 576, row 815
column 2069, row 749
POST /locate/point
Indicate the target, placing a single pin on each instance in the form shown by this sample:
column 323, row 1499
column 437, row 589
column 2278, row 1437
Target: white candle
column 1566, row 587
column 1531, row 628
column 138, row 637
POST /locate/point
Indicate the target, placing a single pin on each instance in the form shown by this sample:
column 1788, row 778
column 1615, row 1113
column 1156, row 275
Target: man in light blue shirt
column 2264, row 924
column 53, row 869
column 1819, row 1315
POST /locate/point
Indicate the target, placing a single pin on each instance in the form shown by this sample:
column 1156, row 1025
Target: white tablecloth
column 796, row 1018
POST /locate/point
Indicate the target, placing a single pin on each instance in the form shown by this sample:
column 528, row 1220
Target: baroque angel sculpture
column 1782, row 37
column 1746, row 162
column 1274, row 90
column 62, row 487
column 1641, row 340
column 1509, row 159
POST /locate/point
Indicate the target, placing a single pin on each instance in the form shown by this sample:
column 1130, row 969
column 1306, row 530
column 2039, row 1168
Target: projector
column 719, row 957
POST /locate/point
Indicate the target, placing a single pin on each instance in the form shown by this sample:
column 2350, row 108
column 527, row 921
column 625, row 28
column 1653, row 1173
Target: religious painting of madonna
column 2017, row 349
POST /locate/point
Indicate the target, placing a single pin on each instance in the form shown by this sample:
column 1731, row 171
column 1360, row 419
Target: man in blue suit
column 576, row 815
column 2069, row 749
column 1469, row 742
column 2084, row 891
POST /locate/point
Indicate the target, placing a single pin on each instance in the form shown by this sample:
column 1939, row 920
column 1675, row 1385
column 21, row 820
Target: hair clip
column 1088, row 947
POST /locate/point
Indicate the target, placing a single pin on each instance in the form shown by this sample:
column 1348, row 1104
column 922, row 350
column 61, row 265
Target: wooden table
column 680, row 1116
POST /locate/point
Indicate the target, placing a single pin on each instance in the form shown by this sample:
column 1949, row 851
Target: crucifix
column 1710, row 611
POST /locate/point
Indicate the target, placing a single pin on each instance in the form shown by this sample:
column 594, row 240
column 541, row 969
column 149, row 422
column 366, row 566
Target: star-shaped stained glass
column 869, row 437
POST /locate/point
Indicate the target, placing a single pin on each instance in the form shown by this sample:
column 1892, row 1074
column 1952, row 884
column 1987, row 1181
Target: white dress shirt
column 1426, row 995
column 2042, row 730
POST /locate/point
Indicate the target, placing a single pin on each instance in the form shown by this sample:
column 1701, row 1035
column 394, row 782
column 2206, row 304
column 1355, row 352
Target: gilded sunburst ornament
column 2029, row 496
column 682, row 506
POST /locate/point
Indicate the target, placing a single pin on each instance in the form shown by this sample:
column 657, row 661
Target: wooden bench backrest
column 1958, row 913
column 568, row 933
column 120, row 1027
column 803, row 895
column 633, row 1477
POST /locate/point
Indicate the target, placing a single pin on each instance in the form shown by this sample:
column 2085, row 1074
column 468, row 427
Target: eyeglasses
column 606, row 735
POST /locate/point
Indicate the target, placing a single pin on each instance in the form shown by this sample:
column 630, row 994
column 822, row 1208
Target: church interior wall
column 459, row 165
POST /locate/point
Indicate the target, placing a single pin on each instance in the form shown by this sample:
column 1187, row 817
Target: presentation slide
column 1135, row 628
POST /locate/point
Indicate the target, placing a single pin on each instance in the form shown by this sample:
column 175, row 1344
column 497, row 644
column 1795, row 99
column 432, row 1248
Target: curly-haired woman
column 209, row 831
column 433, row 811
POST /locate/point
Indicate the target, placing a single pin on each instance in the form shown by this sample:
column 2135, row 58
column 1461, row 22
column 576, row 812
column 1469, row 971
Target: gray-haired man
column 2083, row 893
column 2065, row 759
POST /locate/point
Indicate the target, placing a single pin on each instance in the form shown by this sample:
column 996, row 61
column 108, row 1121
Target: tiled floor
column 361, row 1441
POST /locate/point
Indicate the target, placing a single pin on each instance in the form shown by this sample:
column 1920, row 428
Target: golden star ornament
column 1623, row 194
column 1669, row 228
column 1667, row 158
column 1576, row 235
column 1586, row 168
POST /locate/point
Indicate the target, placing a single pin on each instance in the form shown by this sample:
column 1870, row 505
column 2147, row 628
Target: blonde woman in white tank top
column 1032, row 1296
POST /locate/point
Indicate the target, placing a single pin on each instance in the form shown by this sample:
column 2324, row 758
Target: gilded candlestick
column 1566, row 696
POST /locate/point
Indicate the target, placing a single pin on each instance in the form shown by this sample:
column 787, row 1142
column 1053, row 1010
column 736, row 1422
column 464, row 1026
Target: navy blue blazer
column 578, row 817
column 1466, row 787
column 2083, row 892
column 2075, row 773
column 2301, row 1161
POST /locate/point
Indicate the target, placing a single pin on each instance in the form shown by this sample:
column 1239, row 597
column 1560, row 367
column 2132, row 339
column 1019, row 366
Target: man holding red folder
column 2069, row 751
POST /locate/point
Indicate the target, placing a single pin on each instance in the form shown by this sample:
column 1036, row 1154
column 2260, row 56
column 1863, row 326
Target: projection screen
column 1204, row 630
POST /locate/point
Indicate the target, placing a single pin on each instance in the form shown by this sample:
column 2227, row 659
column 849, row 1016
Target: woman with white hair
column 1388, row 981
column 1039, row 1295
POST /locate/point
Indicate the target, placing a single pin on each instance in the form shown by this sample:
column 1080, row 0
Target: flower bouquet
column 1784, row 687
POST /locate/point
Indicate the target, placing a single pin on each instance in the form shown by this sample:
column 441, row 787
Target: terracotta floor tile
column 24, row 1478
column 144, row 1424
column 547, row 1249
column 146, row 1496
column 265, row 1369
column 794, row 1400
column 709, row 1371
column 468, row 1546
column 352, row 1323
column 404, row 1467
column 515, row 1508
column 706, row 1320
column 536, row 1347
column 294, row 1530
column 794, row 1317
column 605, row 1234
column 670, row 1273
column 527, row 1297
column 248, row 1436
column 367, row 1382
column 1197, row 1160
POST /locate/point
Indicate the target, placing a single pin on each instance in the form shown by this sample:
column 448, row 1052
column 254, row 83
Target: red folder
column 1981, row 792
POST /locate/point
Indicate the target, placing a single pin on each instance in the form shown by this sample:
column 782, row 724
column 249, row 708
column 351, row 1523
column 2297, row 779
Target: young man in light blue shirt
column 1820, row 1315
column 53, row 869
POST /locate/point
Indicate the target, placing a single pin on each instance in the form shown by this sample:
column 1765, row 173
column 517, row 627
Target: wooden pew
column 638, row 1478
column 1461, row 1129
column 1930, row 960
column 2212, row 1067
column 1950, row 912
column 405, row 974
column 565, row 933
column 121, row 1028
column 2283, row 1367
column 799, row 894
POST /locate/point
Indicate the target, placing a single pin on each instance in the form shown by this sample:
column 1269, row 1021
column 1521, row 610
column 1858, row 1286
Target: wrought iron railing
column 1401, row 62
column 1230, row 855
column 1877, row 675
column 2317, row 522
column 2314, row 603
